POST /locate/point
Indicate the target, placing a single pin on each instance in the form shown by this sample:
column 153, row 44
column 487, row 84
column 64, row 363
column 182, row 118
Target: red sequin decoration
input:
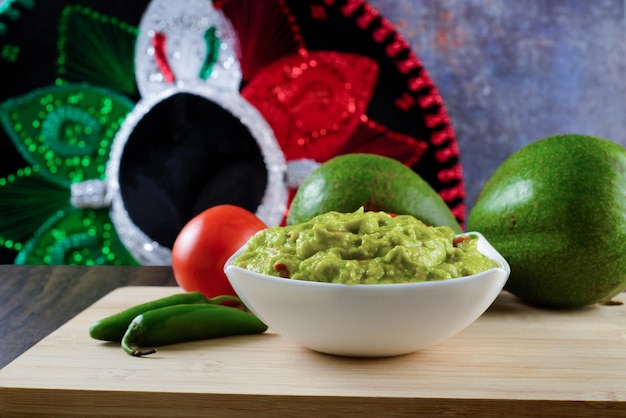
column 313, row 102
column 447, row 175
column 441, row 136
column 374, row 138
column 317, row 113
column 350, row 7
column 444, row 154
column 158, row 43
column 394, row 48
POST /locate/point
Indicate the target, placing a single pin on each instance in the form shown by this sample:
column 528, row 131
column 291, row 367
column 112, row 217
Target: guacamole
column 363, row 247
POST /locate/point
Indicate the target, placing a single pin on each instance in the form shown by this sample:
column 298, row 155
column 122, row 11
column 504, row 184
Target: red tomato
column 206, row 242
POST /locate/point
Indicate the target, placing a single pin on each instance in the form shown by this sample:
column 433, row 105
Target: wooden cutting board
column 515, row 360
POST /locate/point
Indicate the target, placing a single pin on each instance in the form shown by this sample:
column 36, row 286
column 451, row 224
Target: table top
column 36, row 300
column 516, row 360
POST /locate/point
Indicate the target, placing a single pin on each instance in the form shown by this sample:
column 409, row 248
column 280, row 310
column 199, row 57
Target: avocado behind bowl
column 556, row 210
column 347, row 182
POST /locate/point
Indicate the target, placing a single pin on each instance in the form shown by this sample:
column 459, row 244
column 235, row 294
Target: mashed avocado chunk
column 363, row 247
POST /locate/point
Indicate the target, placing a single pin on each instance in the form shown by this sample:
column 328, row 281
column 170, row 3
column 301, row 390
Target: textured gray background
column 512, row 72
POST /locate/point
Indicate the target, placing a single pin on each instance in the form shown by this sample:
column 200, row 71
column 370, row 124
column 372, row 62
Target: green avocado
column 556, row 210
column 348, row 182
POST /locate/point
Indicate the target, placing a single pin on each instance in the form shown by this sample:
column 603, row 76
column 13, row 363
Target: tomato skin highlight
column 205, row 243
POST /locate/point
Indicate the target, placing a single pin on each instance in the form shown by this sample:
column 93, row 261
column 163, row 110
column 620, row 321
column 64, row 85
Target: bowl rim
column 484, row 245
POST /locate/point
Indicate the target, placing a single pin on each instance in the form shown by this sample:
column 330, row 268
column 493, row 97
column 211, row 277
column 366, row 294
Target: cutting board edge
column 102, row 403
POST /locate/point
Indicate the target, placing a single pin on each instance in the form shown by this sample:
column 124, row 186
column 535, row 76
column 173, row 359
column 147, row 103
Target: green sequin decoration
column 213, row 48
column 27, row 200
column 67, row 130
column 6, row 7
column 8, row 10
column 71, row 131
column 65, row 133
column 76, row 237
column 10, row 53
column 97, row 49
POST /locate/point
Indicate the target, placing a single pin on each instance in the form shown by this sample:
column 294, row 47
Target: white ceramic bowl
column 369, row 320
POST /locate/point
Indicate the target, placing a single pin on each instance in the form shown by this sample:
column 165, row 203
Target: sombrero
column 120, row 122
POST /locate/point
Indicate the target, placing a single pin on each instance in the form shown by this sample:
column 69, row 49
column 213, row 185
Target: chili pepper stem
column 140, row 353
column 130, row 345
column 137, row 352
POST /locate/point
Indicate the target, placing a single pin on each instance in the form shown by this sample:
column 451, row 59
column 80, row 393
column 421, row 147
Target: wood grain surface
column 514, row 361
column 36, row 300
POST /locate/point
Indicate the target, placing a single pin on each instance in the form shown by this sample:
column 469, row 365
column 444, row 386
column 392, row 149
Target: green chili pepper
column 180, row 323
column 112, row 328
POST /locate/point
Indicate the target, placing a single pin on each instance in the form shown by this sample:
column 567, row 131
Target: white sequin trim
column 89, row 194
column 184, row 24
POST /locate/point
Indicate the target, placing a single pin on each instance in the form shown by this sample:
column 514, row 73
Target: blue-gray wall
column 514, row 71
